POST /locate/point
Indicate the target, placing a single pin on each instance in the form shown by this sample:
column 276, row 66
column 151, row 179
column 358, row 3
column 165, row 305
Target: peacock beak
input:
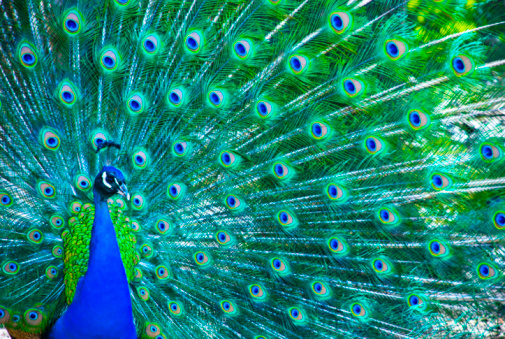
column 124, row 191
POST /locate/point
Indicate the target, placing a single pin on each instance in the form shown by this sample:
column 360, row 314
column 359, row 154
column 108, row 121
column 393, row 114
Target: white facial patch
column 104, row 179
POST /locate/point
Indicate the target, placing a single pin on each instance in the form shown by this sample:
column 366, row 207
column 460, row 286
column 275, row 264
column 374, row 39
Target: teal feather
column 296, row 168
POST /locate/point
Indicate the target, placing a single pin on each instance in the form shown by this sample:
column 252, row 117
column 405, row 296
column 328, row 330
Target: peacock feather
column 252, row 169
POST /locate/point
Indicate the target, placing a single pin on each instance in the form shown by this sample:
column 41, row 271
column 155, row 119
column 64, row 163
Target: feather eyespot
column 67, row 94
column 233, row 202
column 462, row 65
column 98, row 139
column 499, row 220
column 137, row 274
column 140, row 160
column 298, row 64
column 227, row 159
column 490, row 152
column 175, row 308
column 374, row 145
column 143, row 293
column 46, row 189
column 162, row 272
column 135, row 226
column 201, row 258
column 381, row 266
column 4, row 315
column 223, row 238
column 281, row 170
column 33, row 317
column 279, row 266
column 35, row 236
column 353, row 87
column 486, row 271
column 27, row 55
column 228, row 307
column 297, row 315
column 51, row 272
column 176, row 191
column 10, row 268
column 287, row 219
column 72, row 22
column 438, row 249
column 138, row 202
column 50, row 139
column 5, row 199
column 75, row 207
column 150, row 44
column 417, row 302
column 319, row 130
column 321, row 289
column 340, row 22
column 242, row 48
column 337, row 245
column 336, row 192
column 264, row 109
column 257, row 292
column 388, row 216
column 152, row 330
column 136, row 103
column 216, row 98
column 176, row 97
column 82, row 182
column 358, row 310
column 418, row 119
column 194, row 42
column 440, row 181
column 163, row 226
column 180, row 148
column 57, row 251
column 395, row 49
column 147, row 250
column 109, row 60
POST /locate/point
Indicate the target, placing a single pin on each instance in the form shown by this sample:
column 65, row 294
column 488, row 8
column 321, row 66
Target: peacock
column 252, row 168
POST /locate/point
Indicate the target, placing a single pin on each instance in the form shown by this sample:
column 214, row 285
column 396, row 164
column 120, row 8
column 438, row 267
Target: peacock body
column 295, row 169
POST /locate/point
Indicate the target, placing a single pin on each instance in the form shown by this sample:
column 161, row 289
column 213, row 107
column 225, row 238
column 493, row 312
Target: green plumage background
column 307, row 240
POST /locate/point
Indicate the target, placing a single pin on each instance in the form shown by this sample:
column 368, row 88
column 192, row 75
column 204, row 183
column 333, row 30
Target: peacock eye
column 462, row 65
column 4, row 315
column 298, row 64
column 374, row 145
column 418, row 119
column 201, row 258
column 150, row 44
column 296, row 314
column 279, row 266
column 50, row 139
column 27, row 55
column 242, row 48
column 5, row 199
column 281, row 170
column 440, row 181
column 381, row 266
column 320, row 289
column 152, row 330
column 10, row 268
column 46, row 189
column 67, row 94
column 33, row 317
column 287, row 219
column 228, row 307
column 147, row 250
column 223, row 238
column 194, row 42
column 264, row 109
column 57, row 251
column 438, row 248
column 175, row 308
column 358, row 310
column 216, row 98
column 486, row 271
column 176, row 97
column 51, row 272
column 340, row 22
column 143, row 293
column 72, row 22
column 109, row 59
column 35, row 236
column 162, row 272
column 257, row 292
column 395, row 49
column 388, row 216
column 353, row 87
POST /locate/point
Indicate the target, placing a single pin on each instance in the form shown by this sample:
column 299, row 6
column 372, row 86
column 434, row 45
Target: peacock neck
column 102, row 303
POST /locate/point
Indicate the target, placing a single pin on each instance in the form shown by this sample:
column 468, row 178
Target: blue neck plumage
column 102, row 305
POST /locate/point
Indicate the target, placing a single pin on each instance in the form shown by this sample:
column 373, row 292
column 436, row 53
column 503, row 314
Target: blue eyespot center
column 334, row 244
column 262, row 108
column 350, row 87
column 139, row 160
column 284, row 217
column 191, row 42
column 222, row 236
column 226, row 305
column 487, row 152
column 145, row 249
column 59, row 251
column 174, row 307
column 28, row 58
column 71, row 25
column 108, row 61
column 384, row 215
column 255, row 290
column 435, row 247
column 149, row 45
column 296, row 64
column 378, row 264
column 36, row 235
column 317, row 130
column 68, row 96
column 13, row 267
column 161, row 271
column 174, row 98
column 173, row 190
column 214, row 98
column 500, row 219
column 83, row 183
column 153, row 329
column 458, row 65
column 134, row 105
column 53, row 271
column 48, row 190
column 58, row 222
column 99, row 141
column 2, row 313
column 200, row 257
column 240, row 49
column 226, row 158
column 162, row 226
column 52, row 141
column 356, row 309
column 279, row 170
column 332, row 190
column 337, row 22
column 33, row 315
column 6, row 200
column 277, row 263
column 484, row 270
column 414, row 300
column 318, row 287
column 371, row 144
column 437, row 180
column 415, row 119
column 232, row 201
column 392, row 49
column 295, row 313
column 136, row 201
column 15, row 318
column 179, row 149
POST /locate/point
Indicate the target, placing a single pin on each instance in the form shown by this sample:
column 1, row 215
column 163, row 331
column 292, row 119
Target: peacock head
column 110, row 181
